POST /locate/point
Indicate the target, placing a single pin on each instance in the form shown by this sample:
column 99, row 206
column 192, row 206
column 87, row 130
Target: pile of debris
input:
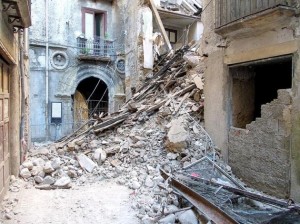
column 160, row 129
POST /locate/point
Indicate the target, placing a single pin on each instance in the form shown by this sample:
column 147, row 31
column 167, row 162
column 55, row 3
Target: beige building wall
column 278, row 38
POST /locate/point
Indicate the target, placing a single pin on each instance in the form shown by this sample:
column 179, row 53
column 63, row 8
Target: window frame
column 173, row 31
column 93, row 11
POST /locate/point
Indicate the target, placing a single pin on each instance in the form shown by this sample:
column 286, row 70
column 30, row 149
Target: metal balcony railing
column 97, row 46
column 228, row 11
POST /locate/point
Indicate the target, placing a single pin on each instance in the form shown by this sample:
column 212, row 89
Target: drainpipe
column 47, row 70
column 22, row 76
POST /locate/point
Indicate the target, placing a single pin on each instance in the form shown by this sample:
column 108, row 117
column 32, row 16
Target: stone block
column 178, row 135
column 284, row 96
column 188, row 217
column 86, row 163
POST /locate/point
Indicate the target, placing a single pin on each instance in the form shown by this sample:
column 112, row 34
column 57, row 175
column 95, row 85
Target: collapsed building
column 88, row 57
column 252, row 96
column 173, row 138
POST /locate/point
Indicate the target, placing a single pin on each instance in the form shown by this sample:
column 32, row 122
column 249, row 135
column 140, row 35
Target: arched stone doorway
column 91, row 97
column 83, row 78
column 72, row 78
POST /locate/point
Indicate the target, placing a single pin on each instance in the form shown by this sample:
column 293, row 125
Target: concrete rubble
column 158, row 128
column 156, row 135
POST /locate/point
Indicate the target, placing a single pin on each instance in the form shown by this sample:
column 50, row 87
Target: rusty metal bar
column 245, row 193
column 209, row 210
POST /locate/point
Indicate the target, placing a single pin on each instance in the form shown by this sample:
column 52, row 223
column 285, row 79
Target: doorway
column 90, row 98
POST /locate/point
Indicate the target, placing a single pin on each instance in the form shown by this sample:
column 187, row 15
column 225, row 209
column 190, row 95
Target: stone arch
column 73, row 76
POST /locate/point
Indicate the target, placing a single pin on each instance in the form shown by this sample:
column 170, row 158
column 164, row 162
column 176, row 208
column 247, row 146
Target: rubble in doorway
column 159, row 128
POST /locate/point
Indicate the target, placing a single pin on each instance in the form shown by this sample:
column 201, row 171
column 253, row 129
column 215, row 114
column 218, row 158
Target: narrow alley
column 149, row 112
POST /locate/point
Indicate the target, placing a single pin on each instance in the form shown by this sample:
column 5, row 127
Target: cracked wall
column 270, row 160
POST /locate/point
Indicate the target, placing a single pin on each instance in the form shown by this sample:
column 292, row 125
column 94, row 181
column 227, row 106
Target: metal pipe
column 22, row 76
column 47, row 69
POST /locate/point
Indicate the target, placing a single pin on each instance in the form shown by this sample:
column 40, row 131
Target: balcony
column 97, row 48
column 245, row 17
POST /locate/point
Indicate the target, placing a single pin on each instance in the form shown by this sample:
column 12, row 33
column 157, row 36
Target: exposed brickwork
column 260, row 153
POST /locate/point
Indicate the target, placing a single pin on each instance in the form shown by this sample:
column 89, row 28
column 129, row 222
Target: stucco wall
column 282, row 39
column 64, row 26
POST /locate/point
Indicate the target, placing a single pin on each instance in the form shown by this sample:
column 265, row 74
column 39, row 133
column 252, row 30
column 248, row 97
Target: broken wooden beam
column 111, row 121
column 160, row 24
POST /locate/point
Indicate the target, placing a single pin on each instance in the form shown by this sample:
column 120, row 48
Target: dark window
column 255, row 84
column 172, row 35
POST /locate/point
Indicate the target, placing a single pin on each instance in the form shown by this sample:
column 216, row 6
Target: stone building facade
column 14, row 95
column 76, row 63
column 252, row 90
column 88, row 57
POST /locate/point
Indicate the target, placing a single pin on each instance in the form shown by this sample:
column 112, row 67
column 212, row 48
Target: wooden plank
column 4, row 128
column 265, row 4
column 248, row 7
column 1, row 72
column 228, row 9
column 233, row 4
column 243, row 8
column 218, row 14
column 254, row 6
column 224, row 13
column 160, row 25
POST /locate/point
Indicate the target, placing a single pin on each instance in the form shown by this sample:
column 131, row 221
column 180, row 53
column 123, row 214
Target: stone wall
column 262, row 150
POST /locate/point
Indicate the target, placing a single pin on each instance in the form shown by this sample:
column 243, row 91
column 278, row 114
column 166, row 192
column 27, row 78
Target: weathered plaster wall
column 260, row 154
column 282, row 39
column 135, row 18
column 243, row 100
column 64, row 26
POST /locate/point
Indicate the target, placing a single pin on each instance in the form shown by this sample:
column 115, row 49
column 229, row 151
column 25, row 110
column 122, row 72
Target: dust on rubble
column 159, row 127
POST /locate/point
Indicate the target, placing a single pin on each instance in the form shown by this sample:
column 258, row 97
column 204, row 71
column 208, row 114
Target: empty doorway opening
column 256, row 83
column 91, row 97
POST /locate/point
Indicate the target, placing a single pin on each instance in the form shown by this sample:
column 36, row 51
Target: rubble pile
column 159, row 127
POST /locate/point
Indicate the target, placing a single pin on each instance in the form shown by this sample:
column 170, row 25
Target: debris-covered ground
column 159, row 128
